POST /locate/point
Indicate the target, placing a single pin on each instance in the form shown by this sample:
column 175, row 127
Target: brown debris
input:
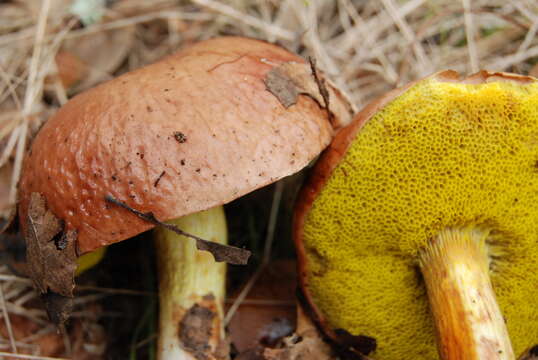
column 291, row 79
column 156, row 183
column 88, row 339
column 306, row 343
column 267, row 315
column 195, row 331
column 114, row 46
column 51, row 259
column 71, row 69
column 180, row 137
column 282, row 87
column 59, row 308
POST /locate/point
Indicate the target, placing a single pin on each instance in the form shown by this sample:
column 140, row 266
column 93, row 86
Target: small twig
column 230, row 254
column 5, row 277
column 156, row 183
column 321, row 85
column 7, row 320
column 145, row 341
column 23, row 280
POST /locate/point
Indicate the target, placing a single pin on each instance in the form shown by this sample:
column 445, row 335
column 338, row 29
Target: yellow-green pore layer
column 440, row 155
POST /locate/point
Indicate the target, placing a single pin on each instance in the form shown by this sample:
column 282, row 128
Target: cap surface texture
column 195, row 130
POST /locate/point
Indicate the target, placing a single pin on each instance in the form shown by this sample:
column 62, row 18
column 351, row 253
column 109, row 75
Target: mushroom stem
column 191, row 290
column 469, row 323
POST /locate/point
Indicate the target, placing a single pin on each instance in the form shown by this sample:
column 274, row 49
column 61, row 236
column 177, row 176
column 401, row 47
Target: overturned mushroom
column 420, row 221
column 187, row 134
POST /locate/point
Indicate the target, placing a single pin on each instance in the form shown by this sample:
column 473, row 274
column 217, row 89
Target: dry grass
column 367, row 47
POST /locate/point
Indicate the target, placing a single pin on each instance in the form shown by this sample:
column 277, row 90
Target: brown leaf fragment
column 306, row 343
column 58, row 307
column 221, row 252
column 195, row 331
column 226, row 253
column 530, row 354
column 52, row 260
column 282, row 86
column 291, row 79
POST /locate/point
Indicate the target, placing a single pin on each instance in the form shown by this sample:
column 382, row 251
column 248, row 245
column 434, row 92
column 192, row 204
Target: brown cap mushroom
column 189, row 133
column 428, row 200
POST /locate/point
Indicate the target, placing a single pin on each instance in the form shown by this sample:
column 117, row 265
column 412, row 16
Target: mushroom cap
column 439, row 153
column 190, row 132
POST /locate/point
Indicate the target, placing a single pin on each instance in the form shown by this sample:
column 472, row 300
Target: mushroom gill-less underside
column 443, row 155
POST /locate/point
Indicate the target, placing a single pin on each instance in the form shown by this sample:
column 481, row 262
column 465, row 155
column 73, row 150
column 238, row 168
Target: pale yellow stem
column 191, row 290
column 468, row 320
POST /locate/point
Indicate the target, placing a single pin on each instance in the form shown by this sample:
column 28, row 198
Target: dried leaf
column 71, row 69
column 267, row 315
column 107, row 50
column 281, row 86
column 306, row 343
column 58, row 307
column 51, row 258
column 291, row 79
column 221, row 252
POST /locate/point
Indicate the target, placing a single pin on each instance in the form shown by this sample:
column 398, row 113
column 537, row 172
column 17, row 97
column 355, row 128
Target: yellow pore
column 440, row 155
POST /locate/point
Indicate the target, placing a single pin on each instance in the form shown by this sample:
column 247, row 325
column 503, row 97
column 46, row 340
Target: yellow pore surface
column 440, row 155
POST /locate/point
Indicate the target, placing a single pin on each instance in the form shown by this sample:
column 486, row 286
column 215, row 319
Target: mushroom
column 419, row 221
column 172, row 140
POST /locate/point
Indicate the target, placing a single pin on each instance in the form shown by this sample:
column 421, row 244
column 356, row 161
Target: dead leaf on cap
column 291, row 79
column 281, row 86
column 50, row 252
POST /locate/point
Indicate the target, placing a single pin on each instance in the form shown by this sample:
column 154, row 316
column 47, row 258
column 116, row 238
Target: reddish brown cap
column 195, row 130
